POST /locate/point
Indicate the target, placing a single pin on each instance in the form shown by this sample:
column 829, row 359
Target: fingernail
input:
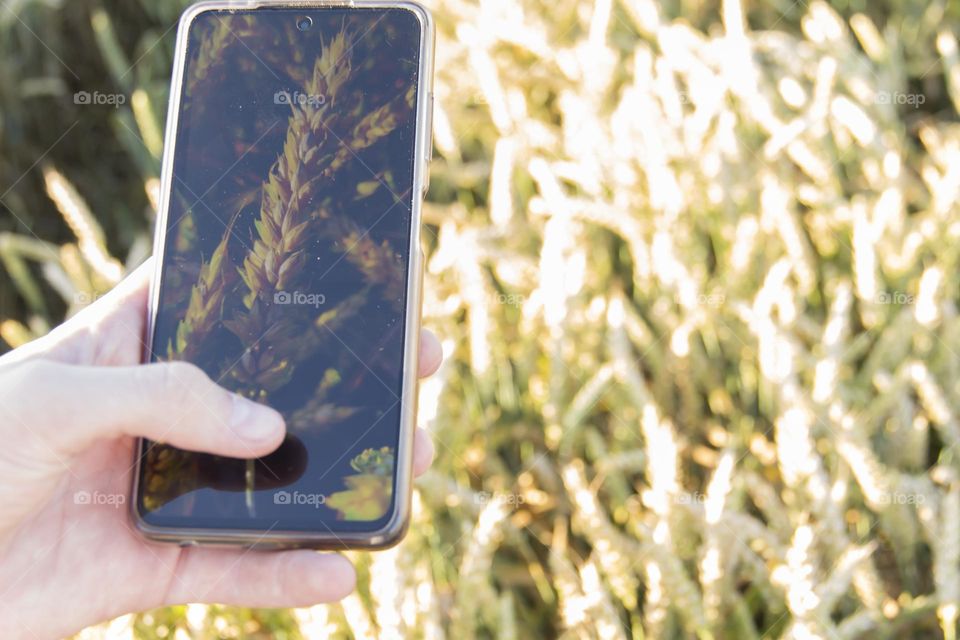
column 253, row 421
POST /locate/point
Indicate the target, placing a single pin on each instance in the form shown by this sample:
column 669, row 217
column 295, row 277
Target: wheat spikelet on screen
column 292, row 213
column 205, row 306
column 312, row 153
column 225, row 32
column 287, row 201
column 283, row 227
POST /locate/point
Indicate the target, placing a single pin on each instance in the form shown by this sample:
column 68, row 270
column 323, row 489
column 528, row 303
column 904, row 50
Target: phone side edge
column 395, row 529
column 177, row 80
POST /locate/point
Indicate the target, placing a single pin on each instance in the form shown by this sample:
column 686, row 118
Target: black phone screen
column 285, row 261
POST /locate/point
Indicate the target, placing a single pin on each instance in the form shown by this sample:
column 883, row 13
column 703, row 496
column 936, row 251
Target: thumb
column 68, row 408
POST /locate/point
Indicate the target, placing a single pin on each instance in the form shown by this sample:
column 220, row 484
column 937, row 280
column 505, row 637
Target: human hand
column 71, row 405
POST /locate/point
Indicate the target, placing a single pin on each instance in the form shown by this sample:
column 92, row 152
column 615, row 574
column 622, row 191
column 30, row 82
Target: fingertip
column 331, row 576
column 260, row 427
column 133, row 286
column 423, row 452
column 261, row 579
column 431, row 354
column 184, row 407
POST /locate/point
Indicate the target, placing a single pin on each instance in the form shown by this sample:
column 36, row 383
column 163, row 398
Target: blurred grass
column 695, row 282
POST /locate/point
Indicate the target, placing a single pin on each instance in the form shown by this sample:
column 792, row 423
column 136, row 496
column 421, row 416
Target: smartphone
column 295, row 164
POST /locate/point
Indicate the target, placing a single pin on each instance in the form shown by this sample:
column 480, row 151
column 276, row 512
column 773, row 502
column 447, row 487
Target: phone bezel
column 396, row 527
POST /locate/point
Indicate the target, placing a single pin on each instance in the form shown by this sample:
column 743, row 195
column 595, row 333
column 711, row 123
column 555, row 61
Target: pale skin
column 71, row 405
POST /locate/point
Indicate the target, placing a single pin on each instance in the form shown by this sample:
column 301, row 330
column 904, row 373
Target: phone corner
column 198, row 8
column 391, row 535
column 135, row 512
column 137, row 519
column 422, row 13
column 154, row 533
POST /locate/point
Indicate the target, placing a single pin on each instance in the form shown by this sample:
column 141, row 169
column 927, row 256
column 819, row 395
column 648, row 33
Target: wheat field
column 692, row 266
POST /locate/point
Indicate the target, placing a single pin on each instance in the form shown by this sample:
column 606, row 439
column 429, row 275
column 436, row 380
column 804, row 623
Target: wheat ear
column 207, row 297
